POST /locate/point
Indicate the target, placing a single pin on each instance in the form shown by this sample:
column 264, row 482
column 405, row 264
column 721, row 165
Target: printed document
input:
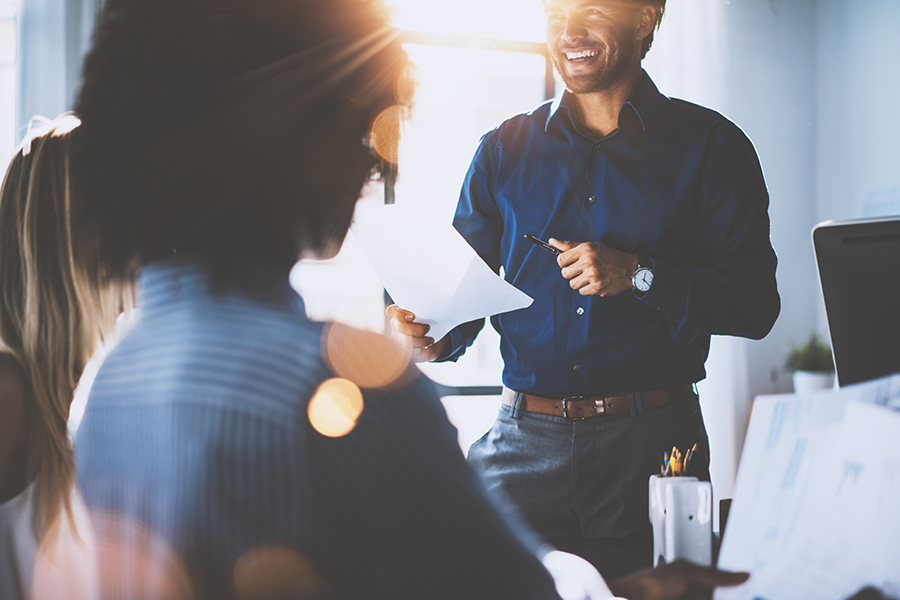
column 814, row 503
column 429, row 269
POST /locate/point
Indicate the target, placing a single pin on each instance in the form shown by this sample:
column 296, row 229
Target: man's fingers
column 410, row 341
column 401, row 314
column 727, row 579
column 579, row 282
column 430, row 352
column 681, row 580
column 868, row 593
column 419, row 342
column 561, row 244
column 410, row 329
column 425, row 354
column 710, row 576
column 571, row 271
column 411, row 335
column 565, row 258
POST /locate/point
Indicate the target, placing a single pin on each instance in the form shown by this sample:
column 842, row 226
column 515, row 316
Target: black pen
column 542, row 244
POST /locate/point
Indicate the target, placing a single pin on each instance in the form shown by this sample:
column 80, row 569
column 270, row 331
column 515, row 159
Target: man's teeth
column 582, row 54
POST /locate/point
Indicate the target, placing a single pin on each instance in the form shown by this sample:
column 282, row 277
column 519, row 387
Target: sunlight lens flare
column 385, row 135
column 367, row 359
column 274, row 572
column 335, row 407
column 406, row 85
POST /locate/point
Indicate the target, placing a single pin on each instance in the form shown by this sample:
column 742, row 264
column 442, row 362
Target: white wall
column 816, row 86
column 857, row 116
column 52, row 38
column 7, row 82
column 753, row 61
column 857, row 121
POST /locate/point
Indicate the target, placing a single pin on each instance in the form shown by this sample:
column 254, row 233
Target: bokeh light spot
column 335, row 407
column 135, row 562
column 275, row 572
column 386, row 134
column 367, row 359
column 65, row 566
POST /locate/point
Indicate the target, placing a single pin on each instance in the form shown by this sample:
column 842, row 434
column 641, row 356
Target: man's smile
column 582, row 55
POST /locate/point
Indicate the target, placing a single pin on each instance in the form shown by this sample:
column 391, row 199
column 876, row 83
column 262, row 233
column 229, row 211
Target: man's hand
column 408, row 333
column 678, row 580
column 869, row 593
column 595, row 269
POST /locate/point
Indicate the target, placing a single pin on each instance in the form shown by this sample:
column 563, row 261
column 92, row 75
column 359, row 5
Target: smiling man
column 664, row 208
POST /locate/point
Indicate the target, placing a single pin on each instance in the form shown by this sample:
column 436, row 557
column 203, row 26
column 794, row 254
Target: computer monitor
column 859, row 269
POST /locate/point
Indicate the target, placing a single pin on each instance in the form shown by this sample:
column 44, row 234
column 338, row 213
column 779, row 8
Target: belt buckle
column 599, row 407
column 565, row 407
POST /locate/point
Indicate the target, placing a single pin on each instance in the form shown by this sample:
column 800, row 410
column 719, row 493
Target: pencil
column 693, row 451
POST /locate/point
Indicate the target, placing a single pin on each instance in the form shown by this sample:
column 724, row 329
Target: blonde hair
column 55, row 307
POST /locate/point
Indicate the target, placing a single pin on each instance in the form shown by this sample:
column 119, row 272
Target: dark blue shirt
column 676, row 182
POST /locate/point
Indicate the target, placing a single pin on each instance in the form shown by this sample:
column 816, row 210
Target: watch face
column 642, row 280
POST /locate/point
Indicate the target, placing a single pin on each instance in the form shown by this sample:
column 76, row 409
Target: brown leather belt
column 582, row 407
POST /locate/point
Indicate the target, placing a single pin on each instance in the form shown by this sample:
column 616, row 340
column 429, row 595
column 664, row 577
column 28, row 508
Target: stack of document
column 815, row 511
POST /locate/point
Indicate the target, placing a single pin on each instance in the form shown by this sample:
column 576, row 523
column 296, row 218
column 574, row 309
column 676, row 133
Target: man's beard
column 601, row 79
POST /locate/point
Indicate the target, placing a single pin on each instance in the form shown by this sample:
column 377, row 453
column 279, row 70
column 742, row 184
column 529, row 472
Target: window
column 467, row 85
column 7, row 81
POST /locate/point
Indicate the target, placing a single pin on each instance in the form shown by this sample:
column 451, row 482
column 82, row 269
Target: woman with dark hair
column 230, row 444
column 55, row 309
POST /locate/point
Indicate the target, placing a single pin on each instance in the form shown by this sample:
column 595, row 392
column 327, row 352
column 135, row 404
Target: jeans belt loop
column 516, row 408
column 639, row 403
column 565, row 407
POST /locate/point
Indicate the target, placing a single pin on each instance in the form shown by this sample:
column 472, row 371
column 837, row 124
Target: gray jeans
column 577, row 481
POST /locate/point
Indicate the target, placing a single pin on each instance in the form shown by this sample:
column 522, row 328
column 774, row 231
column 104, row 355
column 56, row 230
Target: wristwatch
column 643, row 276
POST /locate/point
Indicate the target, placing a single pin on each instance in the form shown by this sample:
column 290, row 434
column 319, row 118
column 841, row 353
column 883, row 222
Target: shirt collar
column 643, row 100
column 162, row 284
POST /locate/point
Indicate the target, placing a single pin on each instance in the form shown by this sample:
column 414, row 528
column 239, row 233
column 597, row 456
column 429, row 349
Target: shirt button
column 591, row 199
column 579, row 311
column 576, row 368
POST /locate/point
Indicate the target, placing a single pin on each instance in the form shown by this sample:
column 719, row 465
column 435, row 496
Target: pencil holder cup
column 681, row 515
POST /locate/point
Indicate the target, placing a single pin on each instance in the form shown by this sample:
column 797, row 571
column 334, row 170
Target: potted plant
column 812, row 365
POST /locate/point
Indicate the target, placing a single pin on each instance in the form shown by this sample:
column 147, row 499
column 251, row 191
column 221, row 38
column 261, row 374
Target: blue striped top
column 197, row 436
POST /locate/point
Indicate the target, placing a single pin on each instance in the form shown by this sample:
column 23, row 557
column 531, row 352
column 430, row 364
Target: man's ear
column 647, row 18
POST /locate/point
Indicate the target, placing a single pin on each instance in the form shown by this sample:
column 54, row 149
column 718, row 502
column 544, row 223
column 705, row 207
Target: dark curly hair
column 231, row 132
column 648, row 41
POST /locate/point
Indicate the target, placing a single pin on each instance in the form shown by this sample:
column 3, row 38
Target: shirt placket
column 578, row 363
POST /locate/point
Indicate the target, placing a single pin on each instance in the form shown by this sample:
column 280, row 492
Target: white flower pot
column 807, row 382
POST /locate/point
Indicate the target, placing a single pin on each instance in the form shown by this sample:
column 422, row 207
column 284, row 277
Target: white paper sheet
column 814, row 512
column 427, row 267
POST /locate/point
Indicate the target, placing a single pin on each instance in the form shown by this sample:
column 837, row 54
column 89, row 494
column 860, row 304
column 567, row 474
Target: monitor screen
column 859, row 269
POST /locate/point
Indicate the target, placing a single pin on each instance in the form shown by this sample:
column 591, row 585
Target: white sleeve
column 576, row 578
